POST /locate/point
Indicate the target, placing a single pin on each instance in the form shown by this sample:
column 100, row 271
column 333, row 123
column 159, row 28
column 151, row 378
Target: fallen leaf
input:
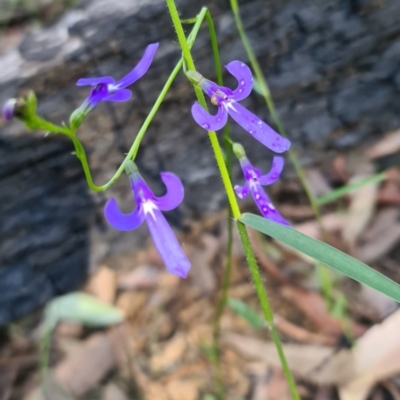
column 183, row 390
column 86, row 365
column 312, row 305
column 131, row 302
column 376, row 357
column 145, row 276
column 271, row 385
column 317, row 183
column 305, row 361
column 113, row 392
column 202, row 256
column 102, row 284
column 389, row 144
column 170, row 355
column 362, row 204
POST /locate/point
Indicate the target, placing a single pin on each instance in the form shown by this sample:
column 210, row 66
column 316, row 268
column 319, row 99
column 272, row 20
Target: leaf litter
column 154, row 337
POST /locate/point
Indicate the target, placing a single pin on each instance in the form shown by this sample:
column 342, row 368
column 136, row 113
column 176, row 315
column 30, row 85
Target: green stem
column 80, row 151
column 262, row 295
column 228, row 267
column 200, row 97
column 271, row 107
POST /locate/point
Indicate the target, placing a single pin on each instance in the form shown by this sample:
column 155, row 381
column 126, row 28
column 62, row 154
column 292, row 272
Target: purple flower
column 149, row 207
column 106, row 89
column 254, row 180
column 8, row 112
column 227, row 102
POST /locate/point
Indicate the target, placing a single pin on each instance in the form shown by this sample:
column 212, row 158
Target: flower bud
column 239, row 151
column 8, row 112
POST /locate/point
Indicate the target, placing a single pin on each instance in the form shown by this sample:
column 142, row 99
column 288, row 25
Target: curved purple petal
column 265, row 205
column 167, row 244
column 258, row 128
column 141, row 68
column 242, row 191
column 244, row 77
column 175, row 192
column 208, row 121
column 95, row 81
column 119, row 95
column 274, row 173
column 119, row 220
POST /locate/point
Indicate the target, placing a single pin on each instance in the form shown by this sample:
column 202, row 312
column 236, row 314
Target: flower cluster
column 148, row 206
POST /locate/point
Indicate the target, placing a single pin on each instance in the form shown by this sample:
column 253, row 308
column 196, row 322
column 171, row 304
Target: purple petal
column 167, row 244
column 9, row 109
column 141, row 68
column 119, row 220
column 249, row 171
column 273, row 174
column 95, row 81
column 208, row 121
column 265, row 205
column 244, row 77
column 258, row 128
column 175, row 192
column 119, row 95
column 242, row 191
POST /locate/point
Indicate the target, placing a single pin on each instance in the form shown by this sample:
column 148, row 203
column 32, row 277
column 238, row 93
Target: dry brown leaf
column 389, row 193
column 389, row 144
column 113, row 392
column 131, row 302
column 202, row 274
column 145, row 276
column 86, row 365
column 362, row 204
column 102, row 284
column 312, row 305
column 302, row 335
column 314, row 364
column 317, row 182
column 69, row 329
column 170, row 355
column 272, row 386
column 374, row 249
column 182, row 390
column 330, row 222
column 376, row 357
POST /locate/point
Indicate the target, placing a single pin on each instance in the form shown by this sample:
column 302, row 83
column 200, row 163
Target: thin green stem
column 228, row 266
column 262, row 295
column 80, row 151
column 271, row 107
column 200, row 97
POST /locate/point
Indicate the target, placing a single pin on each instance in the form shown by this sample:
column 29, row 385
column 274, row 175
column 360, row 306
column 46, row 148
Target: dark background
column 333, row 69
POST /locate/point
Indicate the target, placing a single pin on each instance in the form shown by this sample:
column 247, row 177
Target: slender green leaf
column 246, row 312
column 326, row 254
column 340, row 192
column 82, row 308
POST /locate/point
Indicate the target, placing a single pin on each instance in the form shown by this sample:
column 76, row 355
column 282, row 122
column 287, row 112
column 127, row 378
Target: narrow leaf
column 340, row 192
column 246, row 312
column 326, row 254
column 81, row 308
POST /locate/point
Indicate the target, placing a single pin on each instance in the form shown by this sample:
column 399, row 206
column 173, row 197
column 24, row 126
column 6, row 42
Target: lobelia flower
column 149, row 207
column 255, row 180
column 106, row 89
column 227, row 102
column 8, row 111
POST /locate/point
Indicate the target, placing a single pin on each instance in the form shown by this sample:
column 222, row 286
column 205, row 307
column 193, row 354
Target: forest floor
column 348, row 349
